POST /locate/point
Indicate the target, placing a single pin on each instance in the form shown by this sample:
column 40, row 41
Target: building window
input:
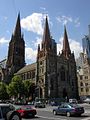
column 28, row 77
column 62, row 74
column 86, row 77
column 33, row 74
column 86, row 84
column 81, row 89
column 42, row 70
column 23, row 76
column 81, row 77
column 87, row 89
column 51, row 83
column 41, row 62
column 81, row 84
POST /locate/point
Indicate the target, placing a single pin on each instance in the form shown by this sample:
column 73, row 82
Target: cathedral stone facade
column 54, row 75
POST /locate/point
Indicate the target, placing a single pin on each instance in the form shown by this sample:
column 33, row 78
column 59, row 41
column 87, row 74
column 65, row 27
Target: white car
column 73, row 100
column 87, row 100
column 7, row 112
column 39, row 104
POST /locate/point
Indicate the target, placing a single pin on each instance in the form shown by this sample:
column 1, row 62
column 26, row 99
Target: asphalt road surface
column 47, row 114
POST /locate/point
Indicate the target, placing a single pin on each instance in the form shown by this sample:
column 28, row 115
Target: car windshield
column 6, row 109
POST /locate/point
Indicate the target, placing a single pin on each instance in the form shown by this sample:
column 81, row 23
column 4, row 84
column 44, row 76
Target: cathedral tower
column 66, row 70
column 16, row 51
column 46, row 65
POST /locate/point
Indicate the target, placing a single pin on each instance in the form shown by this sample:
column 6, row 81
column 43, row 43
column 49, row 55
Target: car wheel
column 33, row 116
column 79, row 115
column 54, row 112
column 68, row 114
column 13, row 115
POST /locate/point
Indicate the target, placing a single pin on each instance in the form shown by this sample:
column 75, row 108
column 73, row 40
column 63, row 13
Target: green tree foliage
column 3, row 91
column 20, row 88
column 27, row 85
column 16, row 87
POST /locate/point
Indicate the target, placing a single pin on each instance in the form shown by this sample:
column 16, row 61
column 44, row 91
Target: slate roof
column 27, row 68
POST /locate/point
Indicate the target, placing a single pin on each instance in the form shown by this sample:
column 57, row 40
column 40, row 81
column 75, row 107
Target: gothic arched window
column 62, row 74
column 51, row 84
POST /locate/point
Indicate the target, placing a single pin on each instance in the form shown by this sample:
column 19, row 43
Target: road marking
column 86, row 118
column 51, row 118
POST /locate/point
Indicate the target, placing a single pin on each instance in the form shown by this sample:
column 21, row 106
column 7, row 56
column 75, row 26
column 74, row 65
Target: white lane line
column 86, row 118
column 51, row 118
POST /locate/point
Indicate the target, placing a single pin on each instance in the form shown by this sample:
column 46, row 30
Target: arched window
column 62, row 74
column 51, row 84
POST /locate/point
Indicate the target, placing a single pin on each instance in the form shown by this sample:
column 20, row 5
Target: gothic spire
column 17, row 30
column 66, row 49
column 46, row 35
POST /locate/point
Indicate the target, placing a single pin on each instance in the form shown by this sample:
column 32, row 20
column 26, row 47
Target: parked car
column 87, row 100
column 27, row 111
column 69, row 109
column 7, row 112
column 73, row 100
column 39, row 104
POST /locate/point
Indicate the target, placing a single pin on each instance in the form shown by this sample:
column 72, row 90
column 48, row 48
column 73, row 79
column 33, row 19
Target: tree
column 3, row 91
column 29, row 88
column 16, row 87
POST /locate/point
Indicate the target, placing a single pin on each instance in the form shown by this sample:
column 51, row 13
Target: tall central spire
column 66, row 49
column 46, row 42
column 17, row 30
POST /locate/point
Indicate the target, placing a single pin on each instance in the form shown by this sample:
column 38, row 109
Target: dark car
column 27, row 111
column 69, row 109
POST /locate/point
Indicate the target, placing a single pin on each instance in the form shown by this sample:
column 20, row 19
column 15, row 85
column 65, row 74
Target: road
column 46, row 114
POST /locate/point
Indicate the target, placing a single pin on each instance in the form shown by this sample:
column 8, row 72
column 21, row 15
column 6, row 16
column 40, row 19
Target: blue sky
column 72, row 13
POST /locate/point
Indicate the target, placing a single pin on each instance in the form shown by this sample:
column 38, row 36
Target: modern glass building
column 86, row 43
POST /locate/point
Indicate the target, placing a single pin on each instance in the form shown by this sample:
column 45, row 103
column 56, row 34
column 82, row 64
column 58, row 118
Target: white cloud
column 5, row 18
column 64, row 19
column 3, row 40
column 33, row 23
column 77, row 22
column 38, row 41
column 68, row 19
column 30, row 54
column 43, row 8
column 74, row 46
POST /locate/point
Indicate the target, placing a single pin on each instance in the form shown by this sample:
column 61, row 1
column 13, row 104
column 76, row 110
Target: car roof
column 3, row 104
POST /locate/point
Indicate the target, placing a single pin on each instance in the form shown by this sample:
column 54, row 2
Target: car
column 39, row 104
column 69, row 109
column 30, row 103
column 27, row 111
column 87, row 100
column 73, row 100
column 7, row 112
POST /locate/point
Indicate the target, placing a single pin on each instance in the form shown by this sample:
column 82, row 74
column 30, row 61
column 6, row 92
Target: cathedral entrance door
column 65, row 95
